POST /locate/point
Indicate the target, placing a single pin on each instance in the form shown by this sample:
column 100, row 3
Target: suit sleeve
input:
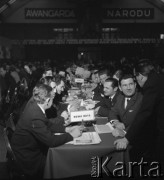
column 43, row 134
column 113, row 113
column 103, row 111
column 145, row 112
column 56, row 125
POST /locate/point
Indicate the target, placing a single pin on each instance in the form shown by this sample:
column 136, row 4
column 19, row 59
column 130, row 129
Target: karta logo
column 105, row 166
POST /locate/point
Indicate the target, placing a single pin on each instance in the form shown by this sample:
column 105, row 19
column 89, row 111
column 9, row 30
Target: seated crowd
column 35, row 94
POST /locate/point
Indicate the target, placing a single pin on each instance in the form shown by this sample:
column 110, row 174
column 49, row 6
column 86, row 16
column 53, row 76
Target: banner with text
column 128, row 13
column 47, row 13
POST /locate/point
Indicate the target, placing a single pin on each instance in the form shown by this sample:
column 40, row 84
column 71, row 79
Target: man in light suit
column 128, row 103
column 34, row 133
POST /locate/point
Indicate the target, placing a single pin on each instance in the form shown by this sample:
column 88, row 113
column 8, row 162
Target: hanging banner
column 47, row 13
column 128, row 13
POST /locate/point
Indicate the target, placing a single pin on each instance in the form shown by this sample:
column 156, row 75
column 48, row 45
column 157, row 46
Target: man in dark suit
column 128, row 103
column 34, row 133
column 109, row 99
column 146, row 134
column 98, row 92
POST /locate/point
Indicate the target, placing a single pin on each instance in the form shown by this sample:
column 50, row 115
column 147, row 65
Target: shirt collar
column 41, row 108
column 128, row 98
column 112, row 96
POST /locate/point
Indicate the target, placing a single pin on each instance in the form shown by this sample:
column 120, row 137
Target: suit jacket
column 106, row 105
column 127, row 115
column 147, row 131
column 33, row 136
column 98, row 92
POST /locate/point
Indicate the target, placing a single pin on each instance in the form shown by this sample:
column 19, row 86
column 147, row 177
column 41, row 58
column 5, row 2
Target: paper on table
column 105, row 128
column 86, row 139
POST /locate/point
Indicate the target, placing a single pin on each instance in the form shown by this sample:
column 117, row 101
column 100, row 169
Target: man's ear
column 141, row 76
column 115, row 89
column 47, row 100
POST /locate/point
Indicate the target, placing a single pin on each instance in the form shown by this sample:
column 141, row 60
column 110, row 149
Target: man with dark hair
column 57, row 108
column 146, row 133
column 109, row 99
column 128, row 103
column 100, row 76
column 47, row 72
column 103, row 75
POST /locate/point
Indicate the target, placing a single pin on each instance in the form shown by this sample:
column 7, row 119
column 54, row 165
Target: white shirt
column 126, row 102
column 111, row 97
column 42, row 109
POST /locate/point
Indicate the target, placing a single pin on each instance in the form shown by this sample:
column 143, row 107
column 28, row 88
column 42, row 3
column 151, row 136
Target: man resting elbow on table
column 123, row 113
column 34, row 133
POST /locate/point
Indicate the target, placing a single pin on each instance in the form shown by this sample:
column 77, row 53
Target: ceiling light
column 11, row 1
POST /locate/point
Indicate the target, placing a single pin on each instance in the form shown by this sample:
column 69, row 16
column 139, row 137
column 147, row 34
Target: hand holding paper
column 75, row 132
column 65, row 115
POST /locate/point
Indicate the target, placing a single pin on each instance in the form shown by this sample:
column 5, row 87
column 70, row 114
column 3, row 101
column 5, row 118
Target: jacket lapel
column 130, row 103
column 113, row 101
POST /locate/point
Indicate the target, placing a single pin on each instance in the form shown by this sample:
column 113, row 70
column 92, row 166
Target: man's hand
column 67, row 122
column 75, row 132
column 73, row 108
column 96, row 110
column 119, row 125
column 69, row 129
column 121, row 143
column 65, row 115
column 74, row 105
column 118, row 132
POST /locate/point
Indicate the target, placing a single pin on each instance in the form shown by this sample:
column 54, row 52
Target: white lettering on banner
column 82, row 115
column 121, row 13
column 39, row 13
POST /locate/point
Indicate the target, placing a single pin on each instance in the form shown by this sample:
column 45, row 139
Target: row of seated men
column 34, row 134
column 41, row 119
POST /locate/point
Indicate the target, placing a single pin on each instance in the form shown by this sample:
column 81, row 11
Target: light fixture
column 11, row 2
column 3, row 8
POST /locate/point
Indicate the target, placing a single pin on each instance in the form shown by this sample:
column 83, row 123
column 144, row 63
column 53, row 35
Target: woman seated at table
column 34, row 133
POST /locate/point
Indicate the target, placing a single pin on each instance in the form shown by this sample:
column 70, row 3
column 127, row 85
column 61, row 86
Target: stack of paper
column 86, row 139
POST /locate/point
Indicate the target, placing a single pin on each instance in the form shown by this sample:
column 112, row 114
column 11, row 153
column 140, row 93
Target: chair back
column 12, row 163
column 8, row 132
column 10, row 122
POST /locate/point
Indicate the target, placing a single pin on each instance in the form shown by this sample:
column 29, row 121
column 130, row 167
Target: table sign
column 78, row 116
column 79, row 80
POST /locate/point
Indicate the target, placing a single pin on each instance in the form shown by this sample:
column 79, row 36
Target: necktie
column 126, row 102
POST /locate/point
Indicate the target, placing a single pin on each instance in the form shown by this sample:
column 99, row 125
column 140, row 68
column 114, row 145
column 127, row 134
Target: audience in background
column 142, row 121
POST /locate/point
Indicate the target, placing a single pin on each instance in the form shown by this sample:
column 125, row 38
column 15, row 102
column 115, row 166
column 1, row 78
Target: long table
column 74, row 160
